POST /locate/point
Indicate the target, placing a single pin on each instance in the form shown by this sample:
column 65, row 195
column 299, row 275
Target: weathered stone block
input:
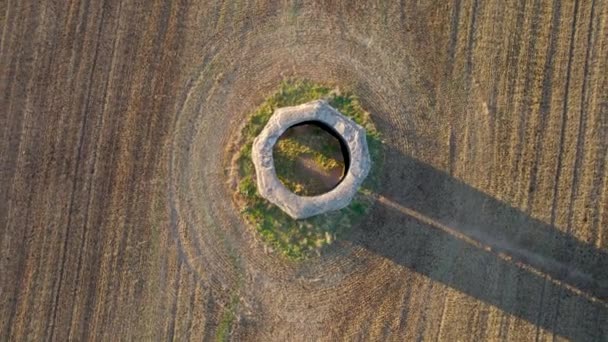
column 269, row 185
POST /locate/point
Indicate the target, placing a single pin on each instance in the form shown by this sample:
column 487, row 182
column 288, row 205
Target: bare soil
column 116, row 222
column 309, row 169
column 314, row 177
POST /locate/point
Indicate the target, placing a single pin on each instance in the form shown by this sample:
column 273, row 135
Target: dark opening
column 311, row 158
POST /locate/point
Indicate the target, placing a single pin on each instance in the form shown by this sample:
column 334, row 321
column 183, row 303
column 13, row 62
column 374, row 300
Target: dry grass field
column 116, row 219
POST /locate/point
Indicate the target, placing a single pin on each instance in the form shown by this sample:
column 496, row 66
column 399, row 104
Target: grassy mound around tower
column 299, row 239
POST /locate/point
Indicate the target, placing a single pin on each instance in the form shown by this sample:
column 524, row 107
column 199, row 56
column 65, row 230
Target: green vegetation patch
column 298, row 239
column 309, row 160
column 226, row 323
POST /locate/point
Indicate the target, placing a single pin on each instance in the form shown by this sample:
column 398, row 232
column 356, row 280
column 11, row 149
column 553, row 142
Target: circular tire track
column 243, row 68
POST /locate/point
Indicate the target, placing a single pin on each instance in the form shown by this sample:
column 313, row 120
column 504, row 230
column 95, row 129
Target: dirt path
column 306, row 171
column 116, row 220
column 329, row 179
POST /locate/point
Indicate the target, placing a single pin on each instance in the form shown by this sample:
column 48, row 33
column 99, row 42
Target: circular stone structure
column 351, row 135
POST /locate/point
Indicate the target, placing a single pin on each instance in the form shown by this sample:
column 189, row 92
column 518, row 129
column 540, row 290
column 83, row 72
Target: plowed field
column 116, row 216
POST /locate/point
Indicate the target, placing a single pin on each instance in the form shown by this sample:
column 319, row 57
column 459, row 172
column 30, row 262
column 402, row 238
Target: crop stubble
column 117, row 220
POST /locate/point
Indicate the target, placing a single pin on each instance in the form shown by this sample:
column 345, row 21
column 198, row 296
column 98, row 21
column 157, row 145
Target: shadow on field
column 452, row 233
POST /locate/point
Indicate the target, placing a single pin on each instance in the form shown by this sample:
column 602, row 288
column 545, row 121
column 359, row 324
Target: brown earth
column 314, row 177
column 116, row 221
column 327, row 179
